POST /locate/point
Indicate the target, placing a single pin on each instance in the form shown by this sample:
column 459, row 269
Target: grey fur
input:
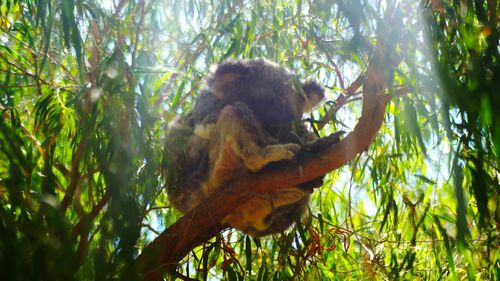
column 265, row 103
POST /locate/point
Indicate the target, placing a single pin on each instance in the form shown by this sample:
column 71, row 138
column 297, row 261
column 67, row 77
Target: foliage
column 88, row 88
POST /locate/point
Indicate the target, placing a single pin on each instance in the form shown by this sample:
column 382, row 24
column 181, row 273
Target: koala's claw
column 323, row 143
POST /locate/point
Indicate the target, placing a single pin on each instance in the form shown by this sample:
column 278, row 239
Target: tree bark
column 203, row 222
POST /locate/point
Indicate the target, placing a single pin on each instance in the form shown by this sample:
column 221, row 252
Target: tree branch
column 341, row 100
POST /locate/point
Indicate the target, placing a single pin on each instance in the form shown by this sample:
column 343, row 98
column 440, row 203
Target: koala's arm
column 238, row 142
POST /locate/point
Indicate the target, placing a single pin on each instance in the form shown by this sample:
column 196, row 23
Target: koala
column 249, row 116
column 274, row 95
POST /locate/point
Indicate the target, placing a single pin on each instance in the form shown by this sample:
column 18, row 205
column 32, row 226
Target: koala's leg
column 238, row 133
column 269, row 213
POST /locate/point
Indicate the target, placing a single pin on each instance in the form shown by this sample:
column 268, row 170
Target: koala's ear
column 225, row 80
column 313, row 94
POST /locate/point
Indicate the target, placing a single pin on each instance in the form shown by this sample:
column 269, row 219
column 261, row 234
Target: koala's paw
column 291, row 147
column 278, row 152
column 271, row 153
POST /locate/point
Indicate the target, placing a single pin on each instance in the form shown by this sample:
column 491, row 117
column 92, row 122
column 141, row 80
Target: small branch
column 84, row 225
column 185, row 278
column 42, row 53
column 24, row 72
column 342, row 100
column 17, row 86
column 138, row 31
column 75, row 175
column 336, row 69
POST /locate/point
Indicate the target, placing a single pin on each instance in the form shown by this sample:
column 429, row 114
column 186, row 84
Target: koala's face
column 271, row 91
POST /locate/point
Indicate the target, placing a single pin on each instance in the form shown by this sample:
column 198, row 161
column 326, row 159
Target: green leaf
column 462, row 229
column 248, row 253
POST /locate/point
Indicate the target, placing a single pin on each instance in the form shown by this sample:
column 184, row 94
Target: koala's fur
column 249, row 116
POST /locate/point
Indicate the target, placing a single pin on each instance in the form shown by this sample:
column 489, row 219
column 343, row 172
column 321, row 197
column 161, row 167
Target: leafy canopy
column 88, row 88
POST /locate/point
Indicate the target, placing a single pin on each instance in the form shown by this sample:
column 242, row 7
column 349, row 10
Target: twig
column 138, row 33
column 342, row 100
column 17, row 86
column 75, row 175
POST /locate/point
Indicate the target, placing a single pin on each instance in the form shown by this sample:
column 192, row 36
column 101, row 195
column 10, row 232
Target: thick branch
column 202, row 223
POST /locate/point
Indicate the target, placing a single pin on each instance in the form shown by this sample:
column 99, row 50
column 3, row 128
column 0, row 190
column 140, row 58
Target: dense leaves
column 87, row 89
